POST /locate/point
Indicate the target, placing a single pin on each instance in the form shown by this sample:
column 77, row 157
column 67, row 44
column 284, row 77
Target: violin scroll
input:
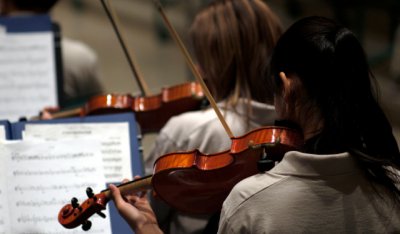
column 73, row 215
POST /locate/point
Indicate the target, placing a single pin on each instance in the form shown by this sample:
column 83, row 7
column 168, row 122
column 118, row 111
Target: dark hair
column 39, row 6
column 333, row 70
column 232, row 39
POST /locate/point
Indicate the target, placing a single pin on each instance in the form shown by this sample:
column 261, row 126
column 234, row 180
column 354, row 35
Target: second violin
column 151, row 112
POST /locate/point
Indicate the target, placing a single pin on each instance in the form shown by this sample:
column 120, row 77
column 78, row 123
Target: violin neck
column 138, row 185
column 67, row 113
column 61, row 114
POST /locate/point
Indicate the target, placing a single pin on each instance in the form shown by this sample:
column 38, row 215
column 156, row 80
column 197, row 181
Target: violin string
column 140, row 184
column 128, row 53
column 195, row 71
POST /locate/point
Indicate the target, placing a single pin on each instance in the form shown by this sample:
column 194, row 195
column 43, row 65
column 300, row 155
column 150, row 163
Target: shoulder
column 194, row 129
column 77, row 49
column 245, row 207
column 189, row 121
column 259, row 114
column 249, row 187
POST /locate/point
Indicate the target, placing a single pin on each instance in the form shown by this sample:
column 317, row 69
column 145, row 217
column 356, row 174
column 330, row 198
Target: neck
column 311, row 129
column 310, row 121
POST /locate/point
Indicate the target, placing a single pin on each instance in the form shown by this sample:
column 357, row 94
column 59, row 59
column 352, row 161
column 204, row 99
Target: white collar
column 302, row 164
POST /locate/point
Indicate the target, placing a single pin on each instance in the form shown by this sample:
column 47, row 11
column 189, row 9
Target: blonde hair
column 233, row 42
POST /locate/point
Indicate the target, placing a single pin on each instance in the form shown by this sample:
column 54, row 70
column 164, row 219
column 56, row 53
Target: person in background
column 346, row 177
column 231, row 41
column 80, row 70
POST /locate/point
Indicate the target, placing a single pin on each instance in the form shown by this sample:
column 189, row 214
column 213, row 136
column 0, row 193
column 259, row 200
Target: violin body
column 194, row 182
column 151, row 112
column 197, row 183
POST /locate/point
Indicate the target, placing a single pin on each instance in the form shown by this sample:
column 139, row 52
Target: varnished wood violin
column 194, row 182
column 151, row 112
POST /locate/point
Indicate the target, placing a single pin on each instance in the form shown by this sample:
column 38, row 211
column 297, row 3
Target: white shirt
column 308, row 193
column 80, row 71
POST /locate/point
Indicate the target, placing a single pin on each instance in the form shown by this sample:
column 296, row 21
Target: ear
column 287, row 86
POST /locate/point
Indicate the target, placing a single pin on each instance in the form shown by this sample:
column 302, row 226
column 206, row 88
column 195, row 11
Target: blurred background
column 162, row 64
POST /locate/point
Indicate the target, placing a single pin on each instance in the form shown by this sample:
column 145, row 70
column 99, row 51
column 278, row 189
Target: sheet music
column 27, row 74
column 4, row 211
column 2, row 132
column 114, row 137
column 43, row 177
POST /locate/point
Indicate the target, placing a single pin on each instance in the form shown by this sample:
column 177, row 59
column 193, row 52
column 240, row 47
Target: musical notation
column 43, row 189
column 27, row 68
column 72, row 171
column 39, row 202
column 48, row 157
column 39, row 174
column 113, row 137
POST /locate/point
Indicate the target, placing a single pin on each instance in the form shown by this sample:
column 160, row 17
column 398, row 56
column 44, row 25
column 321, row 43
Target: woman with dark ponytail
column 345, row 179
column 336, row 82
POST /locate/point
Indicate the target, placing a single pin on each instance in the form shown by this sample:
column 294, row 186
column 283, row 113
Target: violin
column 151, row 112
column 194, row 182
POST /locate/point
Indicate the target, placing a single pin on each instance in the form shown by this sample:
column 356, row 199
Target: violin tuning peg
column 86, row 225
column 74, row 202
column 101, row 214
column 89, row 192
